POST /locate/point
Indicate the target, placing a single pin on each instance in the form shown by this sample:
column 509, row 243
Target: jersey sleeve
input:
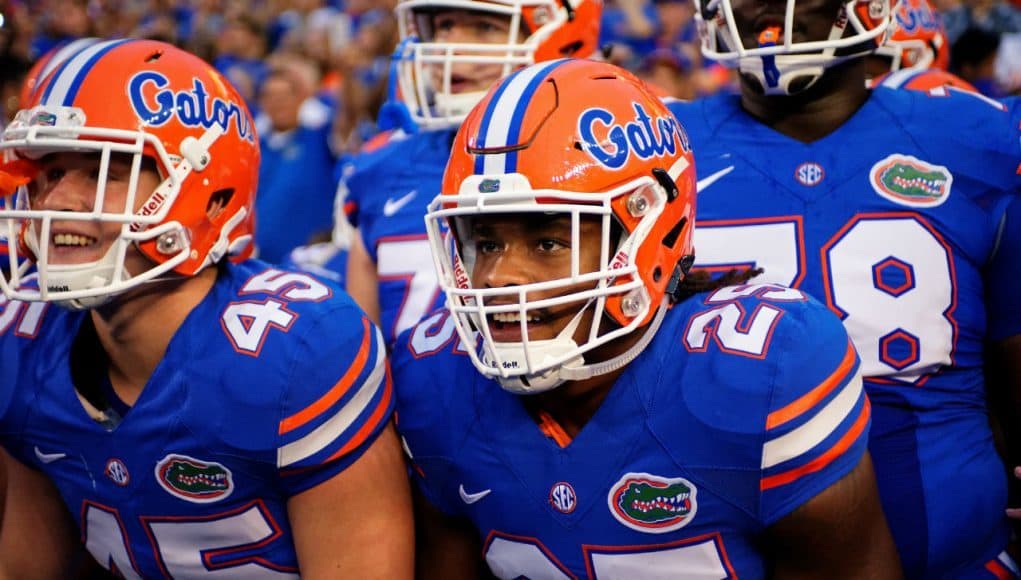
column 339, row 400
column 425, row 414
column 1003, row 284
column 10, row 358
column 363, row 179
column 816, row 429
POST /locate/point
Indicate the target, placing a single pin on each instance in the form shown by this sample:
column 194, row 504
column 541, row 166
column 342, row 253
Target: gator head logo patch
column 653, row 504
column 905, row 180
column 194, row 480
column 489, row 186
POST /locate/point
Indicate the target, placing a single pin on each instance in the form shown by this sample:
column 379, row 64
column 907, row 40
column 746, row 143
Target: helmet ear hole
column 218, row 201
column 670, row 239
column 569, row 49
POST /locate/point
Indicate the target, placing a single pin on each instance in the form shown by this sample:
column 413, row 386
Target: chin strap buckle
column 673, row 287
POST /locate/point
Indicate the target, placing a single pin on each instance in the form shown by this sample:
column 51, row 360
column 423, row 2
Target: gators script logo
column 156, row 104
column 905, row 180
column 612, row 141
column 194, row 480
column 653, row 504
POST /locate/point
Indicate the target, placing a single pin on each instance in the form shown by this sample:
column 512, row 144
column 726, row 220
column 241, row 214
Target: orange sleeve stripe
column 812, row 398
column 338, row 390
column 826, row 458
column 998, row 570
column 550, row 428
column 378, row 416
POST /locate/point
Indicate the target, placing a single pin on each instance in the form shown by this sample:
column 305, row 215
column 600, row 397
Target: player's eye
column 483, row 246
column 488, row 26
column 444, row 23
column 54, row 174
column 116, row 173
column 551, row 245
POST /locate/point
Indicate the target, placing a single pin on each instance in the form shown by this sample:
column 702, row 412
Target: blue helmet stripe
column 504, row 115
column 519, row 113
column 487, row 117
column 70, row 75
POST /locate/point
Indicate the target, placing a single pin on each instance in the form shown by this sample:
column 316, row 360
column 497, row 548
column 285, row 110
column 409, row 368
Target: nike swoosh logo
column 711, row 179
column 48, row 457
column 470, row 498
column 393, row 206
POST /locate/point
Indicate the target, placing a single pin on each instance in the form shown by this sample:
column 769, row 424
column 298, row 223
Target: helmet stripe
column 501, row 123
column 69, row 77
column 63, row 54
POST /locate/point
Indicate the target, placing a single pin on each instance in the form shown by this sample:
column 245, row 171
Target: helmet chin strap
column 98, row 274
column 777, row 73
column 621, row 360
column 513, row 354
column 68, row 277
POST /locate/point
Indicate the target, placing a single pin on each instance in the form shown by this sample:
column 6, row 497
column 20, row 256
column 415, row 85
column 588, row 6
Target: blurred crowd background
column 315, row 71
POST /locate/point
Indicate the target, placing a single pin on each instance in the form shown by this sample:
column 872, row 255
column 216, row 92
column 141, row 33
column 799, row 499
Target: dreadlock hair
column 702, row 281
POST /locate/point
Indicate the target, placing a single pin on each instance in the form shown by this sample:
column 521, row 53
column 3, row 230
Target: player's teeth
column 72, row 240
column 512, row 317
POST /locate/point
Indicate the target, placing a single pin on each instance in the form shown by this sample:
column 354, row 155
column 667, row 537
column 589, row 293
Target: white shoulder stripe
column 807, row 436
column 1005, row 559
column 896, row 79
column 323, row 435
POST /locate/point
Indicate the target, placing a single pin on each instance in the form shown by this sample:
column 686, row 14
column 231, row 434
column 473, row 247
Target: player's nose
column 511, row 268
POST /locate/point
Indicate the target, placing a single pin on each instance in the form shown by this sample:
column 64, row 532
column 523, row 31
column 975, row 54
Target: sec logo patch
column 562, row 497
column 809, row 174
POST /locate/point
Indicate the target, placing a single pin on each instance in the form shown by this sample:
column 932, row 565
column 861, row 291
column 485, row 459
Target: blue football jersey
column 274, row 383
column 746, row 404
column 387, row 198
column 900, row 222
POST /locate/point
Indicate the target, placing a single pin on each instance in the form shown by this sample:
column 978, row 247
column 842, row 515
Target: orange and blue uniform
column 905, row 222
column 274, row 383
column 746, row 404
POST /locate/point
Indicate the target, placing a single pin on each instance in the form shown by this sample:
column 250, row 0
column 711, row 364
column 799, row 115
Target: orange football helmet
column 582, row 138
column 781, row 64
column 918, row 39
column 550, row 29
column 146, row 99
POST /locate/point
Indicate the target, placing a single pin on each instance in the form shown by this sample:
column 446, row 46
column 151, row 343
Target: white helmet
column 551, row 29
column 781, row 65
